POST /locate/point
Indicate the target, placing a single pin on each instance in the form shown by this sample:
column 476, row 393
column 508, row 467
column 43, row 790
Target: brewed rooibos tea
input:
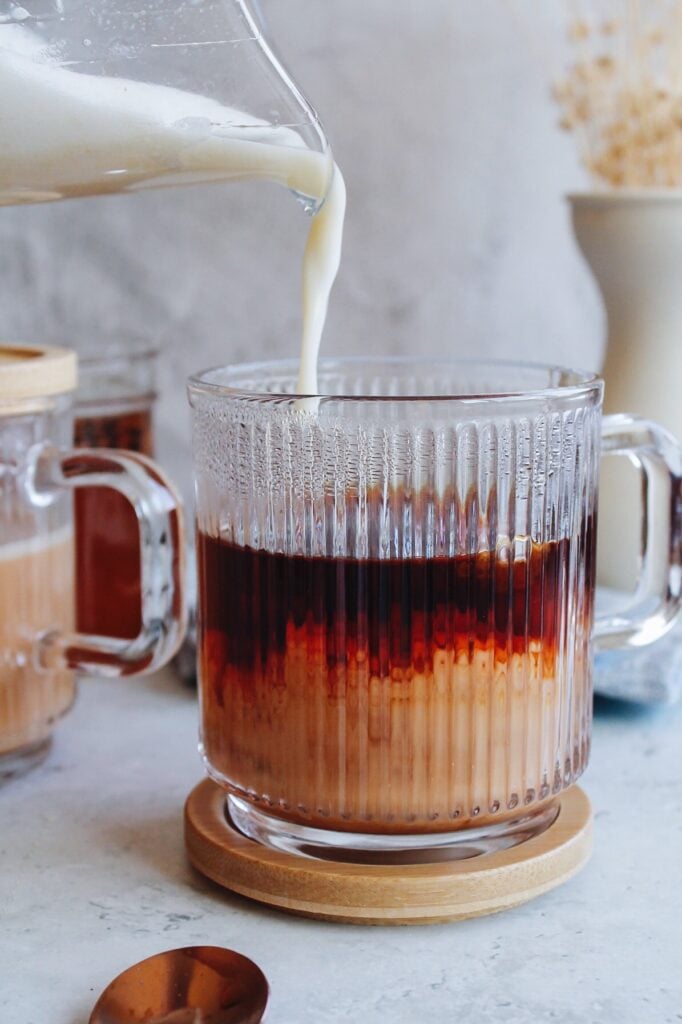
column 109, row 601
column 416, row 695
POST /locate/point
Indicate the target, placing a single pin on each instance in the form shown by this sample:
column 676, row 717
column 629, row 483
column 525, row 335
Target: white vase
column 632, row 241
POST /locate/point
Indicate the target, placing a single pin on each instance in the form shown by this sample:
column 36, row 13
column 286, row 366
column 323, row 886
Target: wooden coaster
column 370, row 894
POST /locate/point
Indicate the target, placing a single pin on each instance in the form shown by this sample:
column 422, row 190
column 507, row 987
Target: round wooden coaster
column 370, row 894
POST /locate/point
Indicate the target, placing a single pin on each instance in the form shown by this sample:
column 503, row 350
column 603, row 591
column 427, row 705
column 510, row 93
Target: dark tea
column 108, row 600
column 387, row 696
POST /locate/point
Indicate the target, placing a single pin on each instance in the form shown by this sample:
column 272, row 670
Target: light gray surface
column 458, row 239
column 93, row 877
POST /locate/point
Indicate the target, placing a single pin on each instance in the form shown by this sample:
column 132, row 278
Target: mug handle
column 162, row 567
column 657, row 599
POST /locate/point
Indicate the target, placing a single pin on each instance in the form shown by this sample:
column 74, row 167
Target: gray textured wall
column 458, row 238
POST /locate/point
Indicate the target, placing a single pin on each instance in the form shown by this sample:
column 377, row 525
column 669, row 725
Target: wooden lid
column 31, row 372
column 377, row 894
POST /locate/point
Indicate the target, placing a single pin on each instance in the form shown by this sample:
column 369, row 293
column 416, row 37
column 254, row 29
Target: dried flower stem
column 622, row 96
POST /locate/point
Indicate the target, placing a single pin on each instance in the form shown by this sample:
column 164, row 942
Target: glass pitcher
column 114, row 96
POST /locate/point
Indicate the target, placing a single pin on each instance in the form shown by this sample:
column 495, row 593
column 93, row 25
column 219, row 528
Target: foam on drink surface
column 65, row 134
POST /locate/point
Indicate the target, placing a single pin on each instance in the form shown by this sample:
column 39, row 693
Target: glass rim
column 113, row 357
column 582, row 383
column 117, row 374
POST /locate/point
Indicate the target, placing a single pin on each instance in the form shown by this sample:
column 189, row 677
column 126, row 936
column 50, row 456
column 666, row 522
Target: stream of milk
column 65, row 133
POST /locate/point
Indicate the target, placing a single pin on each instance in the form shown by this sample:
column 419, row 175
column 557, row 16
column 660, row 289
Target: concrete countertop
column 93, row 877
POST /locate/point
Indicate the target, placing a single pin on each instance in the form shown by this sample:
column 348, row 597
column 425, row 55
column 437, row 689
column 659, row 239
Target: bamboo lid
column 33, row 372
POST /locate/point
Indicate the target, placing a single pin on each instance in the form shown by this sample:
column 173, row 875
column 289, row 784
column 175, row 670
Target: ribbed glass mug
column 396, row 591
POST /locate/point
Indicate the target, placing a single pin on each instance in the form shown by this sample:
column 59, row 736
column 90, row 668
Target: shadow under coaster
column 386, row 894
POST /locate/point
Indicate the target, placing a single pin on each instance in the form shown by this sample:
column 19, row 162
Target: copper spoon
column 196, row 985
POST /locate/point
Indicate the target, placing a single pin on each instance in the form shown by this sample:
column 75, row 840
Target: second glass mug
column 39, row 471
column 396, row 597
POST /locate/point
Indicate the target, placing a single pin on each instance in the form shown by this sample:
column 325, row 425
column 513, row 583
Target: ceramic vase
column 632, row 241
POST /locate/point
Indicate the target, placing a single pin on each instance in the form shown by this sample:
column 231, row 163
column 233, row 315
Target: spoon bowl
column 194, row 985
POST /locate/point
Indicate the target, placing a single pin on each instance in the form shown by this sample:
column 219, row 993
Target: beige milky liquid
column 36, row 594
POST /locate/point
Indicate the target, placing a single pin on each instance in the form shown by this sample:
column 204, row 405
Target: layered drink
column 36, row 596
column 397, row 696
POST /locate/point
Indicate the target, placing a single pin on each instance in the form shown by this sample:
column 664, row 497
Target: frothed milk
column 36, row 594
column 69, row 134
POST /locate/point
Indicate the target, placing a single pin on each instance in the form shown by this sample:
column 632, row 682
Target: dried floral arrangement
column 622, row 95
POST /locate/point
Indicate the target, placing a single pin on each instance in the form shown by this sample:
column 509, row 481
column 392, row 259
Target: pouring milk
column 69, row 130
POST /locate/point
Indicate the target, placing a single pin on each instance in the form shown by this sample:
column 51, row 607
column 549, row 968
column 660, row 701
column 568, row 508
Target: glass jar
column 40, row 648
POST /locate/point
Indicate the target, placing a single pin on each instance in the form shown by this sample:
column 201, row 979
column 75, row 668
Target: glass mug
column 396, row 597
column 114, row 407
column 39, row 470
